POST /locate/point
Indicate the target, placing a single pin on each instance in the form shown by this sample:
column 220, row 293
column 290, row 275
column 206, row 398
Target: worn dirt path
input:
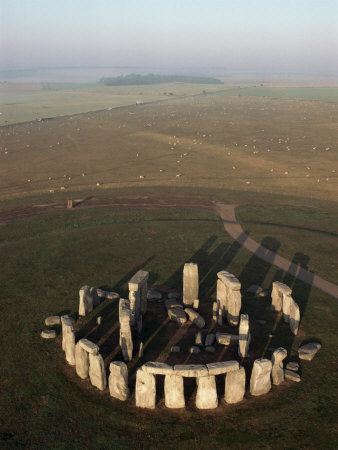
column 234, row 229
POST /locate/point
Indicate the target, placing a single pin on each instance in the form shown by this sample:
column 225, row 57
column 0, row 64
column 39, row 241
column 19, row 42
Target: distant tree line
column 150, row 78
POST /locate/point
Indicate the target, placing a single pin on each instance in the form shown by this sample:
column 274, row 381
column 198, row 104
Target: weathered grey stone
column 222, row 299
column 153, row 294
column 226, row 338
column 244, row 336
column 138, row 295
column 214, row 311
column 65, row 321
column 112, row 296
column 95, row 296
column 145, row 389
column 48, row 334
column 52, row 320
column 260, row 381
column 196, row 303
column 292, row 365
column 194, row 349
column 210, row 339
column 206, row 396
column 287, row 300
column 172, row 295
column 172, row 303
column 89, row 346
column 177, row 315
column 135, row 305
column 210, row 349
column 198, row 338
column 194, row 317
column 190, row 283
column 81, row 361
column 308, row 351
column 118, row 380
column 229, row 296
column 222, row 367
column 174, row 391
column 278, row 291
column 291, row 375
column 97, row 371
column 294, row 317
column 235, row 386
column 157, row 368
column 100, row 292
column 86, row 301
column 191, row 370
column 175, row 349
column 126, row 340
column 68, row 339
column 277, row 372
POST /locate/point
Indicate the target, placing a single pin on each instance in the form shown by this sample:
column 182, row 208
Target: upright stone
column 81, row 361
column 260, row 381
column 174, row 391
column 69, row 204
column 244, row 336
column 86, row 301
column 95, row 296
column 118, row 380
column 206, row 397
column 97, row 371
column 198, row 338
column 214, row 311
column 278, row 291
column 138, row 289
column 235, row 386
column 294, row 317
column 229, row 296
column 145, row 389
column 65, row 320
column 222, row 298
column 68, row 340
column 190, row 283
column 126, row 340
column 287, row 301
column 277, row 372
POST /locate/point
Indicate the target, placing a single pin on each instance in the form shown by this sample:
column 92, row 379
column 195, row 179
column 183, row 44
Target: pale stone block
column 308, row 351
column 234, row 307
column 68, row 338
column 98, row 320
column 177, row 315
column 222, row 298
column 244, row 336
column 196, row 303
column 118, row 380
column 140, row 277
column 157, row 368
column 226, row 338
column 81, row 361
column 191, row 370
column 135, row 302
column 190, row 283
column 198, row 338
column 277, row 372
column 206, row 397
column 260, row 381
column 145, row 389
column 95, row 296
column 292, row 375
column 140, row 350
column 222, row 367
column 86, row 301
column 194, row 317
column 126, row 340
column 287, row 300
column 89, row 346
column 229, row 280
column 48, row 334
column 235, row 386
column 278, row 291
column 294, row 317
column 174, row 391
column 52, row 320
column 294, row 366
column 97, row 371
column 209, row 340
column 65, row 321
column 101, row 293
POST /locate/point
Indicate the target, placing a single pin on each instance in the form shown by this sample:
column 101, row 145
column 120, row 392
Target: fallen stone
column 222, row 367
column 118, row 380
column 210, row 349
column 206, row 396
column 194, row 349
column 112, row 296
column 145, row 389
column 210, row 338
column 157, row 368
column 86, row 301
column 177, row 315
column 52, row 320
column 277, row 371
column 235, row 386
column 172, row 303
column 254, row 289
column 263, row 294
column 172, row 295
column 153, row 294
column 260, row 382
column 308, row 351
column 97, row 371
column 291, row 375
column 190, row 283
column 294, row 366
column 194, row 317
column 191, row 370
column 81, row 361
column 89, row 346
column 174, row 391
column 101, row 293
column 224, row 338
column 175, row 349
column 198, row 338
column 48, row 334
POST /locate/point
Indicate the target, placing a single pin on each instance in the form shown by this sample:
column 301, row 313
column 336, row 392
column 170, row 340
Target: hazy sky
column 241, row 35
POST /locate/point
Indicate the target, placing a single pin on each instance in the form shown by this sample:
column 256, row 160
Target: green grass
column 46, row 259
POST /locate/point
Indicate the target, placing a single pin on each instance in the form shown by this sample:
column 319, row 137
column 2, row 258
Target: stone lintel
column 137, row 280
column 89, row 346
column 229, row 280
column 191, row 370
column 158, row 368
column 219, row 368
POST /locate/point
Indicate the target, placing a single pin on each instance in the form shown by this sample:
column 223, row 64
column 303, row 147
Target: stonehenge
column 244, row 336
column 194, row 317
column 190, row 283
column 277, row 371
column 206, row 397
column 68, row 339
column 86, row 302
column 260, row 381
column 229, row 296
column 235, row 386
column 118, row 380
column 97, row 371
column 138, row 290
column 145, row 389
column 175, row 311
column 281, row 300
column 278, row 291
column 174, row 391
column 126, row 339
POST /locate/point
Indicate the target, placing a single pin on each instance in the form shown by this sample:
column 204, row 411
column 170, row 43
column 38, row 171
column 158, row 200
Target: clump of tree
column 150, row 78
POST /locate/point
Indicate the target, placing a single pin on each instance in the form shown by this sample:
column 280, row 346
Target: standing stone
column 235, row 386
column 260, row 381
column 278, row 291
column 196, row 303
column 97, row 371
column 86, row 301
column 95, row 296
column 206, row 397
column 81, row 361
column 126, row 340
column 118, row 380
column 287, row 300
column 198, row 338
column 209, row 340
column 145, row 389
column 244, row 336
column 140, row 350
column 190, row 283
column 174, row 391
column 222, row 298
column 229, row 296
column 68, row 340
column 220, row 318
column 294, row 317
column 138, row 289
column 214, row 311
column 69, row 204
column 277, row 372
column 65, row 320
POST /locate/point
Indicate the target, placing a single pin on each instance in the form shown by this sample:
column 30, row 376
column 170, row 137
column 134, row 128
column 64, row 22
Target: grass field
column 276, row 158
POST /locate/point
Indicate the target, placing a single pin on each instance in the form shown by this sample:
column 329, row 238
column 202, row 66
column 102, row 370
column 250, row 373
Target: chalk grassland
column 43, row 404
column 21, row 103
column 241, row 144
